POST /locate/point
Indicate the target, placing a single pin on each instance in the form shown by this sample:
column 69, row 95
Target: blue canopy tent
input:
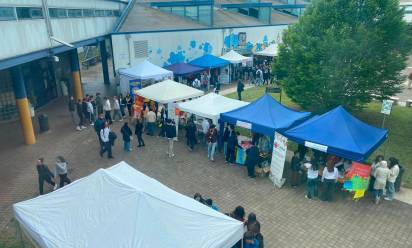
column 338, row 132
column 264, row 116
column 209, row 61
column 181, row 69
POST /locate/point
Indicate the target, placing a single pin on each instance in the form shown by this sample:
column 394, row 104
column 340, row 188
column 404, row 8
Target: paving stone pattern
column 287, row 218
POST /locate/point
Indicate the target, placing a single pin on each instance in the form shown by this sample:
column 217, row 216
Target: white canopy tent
column 142, row 71
column 235, row 58
column 121, row 207
column 270, row 51
column 211, row 106
column 169, row 91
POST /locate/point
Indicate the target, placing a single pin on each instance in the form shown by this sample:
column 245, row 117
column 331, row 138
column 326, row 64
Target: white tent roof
column 146, row 70
column 121, row 207
column 210, row 105
column 270, row 51
column 235, row 57
column 169, row 91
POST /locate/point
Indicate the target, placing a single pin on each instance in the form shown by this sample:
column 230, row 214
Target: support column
column 75, row 67
column 23, row 105
column 103, row 56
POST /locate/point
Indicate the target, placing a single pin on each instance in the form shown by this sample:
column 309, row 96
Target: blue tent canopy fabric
column 183, row 69
column 209, row 61
column 338, row 132
column 265, row 116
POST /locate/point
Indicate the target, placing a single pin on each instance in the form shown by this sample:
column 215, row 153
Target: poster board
column 280, row 147
column 357, row 179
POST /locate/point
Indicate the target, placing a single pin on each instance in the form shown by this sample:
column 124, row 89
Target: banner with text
column 280, row 147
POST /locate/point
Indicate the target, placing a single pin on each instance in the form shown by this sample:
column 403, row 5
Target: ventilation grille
column 140, row 48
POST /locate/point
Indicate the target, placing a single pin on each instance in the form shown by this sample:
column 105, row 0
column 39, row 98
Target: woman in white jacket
column 382, row 175
column 107, row 109
column 61, row 171
column 394, row 169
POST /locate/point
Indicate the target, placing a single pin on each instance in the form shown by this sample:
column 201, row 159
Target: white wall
column 182, row 46
column 25, row 36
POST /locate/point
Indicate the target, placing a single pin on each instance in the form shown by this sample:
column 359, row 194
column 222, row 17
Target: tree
column 342, row 52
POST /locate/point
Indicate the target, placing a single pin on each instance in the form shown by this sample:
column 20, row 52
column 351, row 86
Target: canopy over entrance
column 121, row 207
column 338, row 132
column 209, row 61
column 265, row 116
column 270, row 51
column 146, row 70
column 235, row 58
column 181, row 69
column 211, row 106
column 169, row 91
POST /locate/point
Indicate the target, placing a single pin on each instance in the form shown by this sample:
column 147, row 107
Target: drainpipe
column 46, row 15
column 128, row 38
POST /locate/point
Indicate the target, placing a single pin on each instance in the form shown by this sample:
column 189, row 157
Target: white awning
column 145, row 71
column 235, row 58
column 121, row 207
column 270, row 51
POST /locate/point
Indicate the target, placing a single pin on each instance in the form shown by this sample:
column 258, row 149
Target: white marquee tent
column 211, row 106
column 142, row 71
column 169, row 91
column 121, row 207
column 270, row 51
column 235, row 58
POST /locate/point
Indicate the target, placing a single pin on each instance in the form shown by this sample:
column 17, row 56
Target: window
column 58, row 13
column 108, row 13
column 191, row 12
column 180, row 11
column 205, row 15
column 29, row 13
column 7, row 13
column 74, row 13
column 116, row 13
column 88, row 13
column 99, row 13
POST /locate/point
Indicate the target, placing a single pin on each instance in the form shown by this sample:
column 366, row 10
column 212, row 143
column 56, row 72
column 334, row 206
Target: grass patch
column 399, row 123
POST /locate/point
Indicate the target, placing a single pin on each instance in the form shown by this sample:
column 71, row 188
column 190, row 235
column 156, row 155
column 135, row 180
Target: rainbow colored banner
column 357, row 179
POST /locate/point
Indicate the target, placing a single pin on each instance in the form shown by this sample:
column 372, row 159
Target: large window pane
column 178, row 11
column 74, row 13
column 99, row 13
column 191, row 12
column 7, row 13
column 58, row 13
column 88, row 12
column 205, row 15
column 29, row 13
column 264, row 13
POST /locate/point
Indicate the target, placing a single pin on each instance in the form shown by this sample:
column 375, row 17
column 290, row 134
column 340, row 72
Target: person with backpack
column 239, row 89
column 107, row 143
column 170, row 134
column 127, row 136
column 44, row 174
column 61, row 171
column 138, row 131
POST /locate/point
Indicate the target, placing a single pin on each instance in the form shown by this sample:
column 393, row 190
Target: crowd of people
column 252, row 237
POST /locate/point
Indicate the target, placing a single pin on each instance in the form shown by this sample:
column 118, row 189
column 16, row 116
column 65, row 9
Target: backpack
column 112, row 137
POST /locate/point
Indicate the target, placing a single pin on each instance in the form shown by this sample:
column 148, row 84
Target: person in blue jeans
column 126, row 133
column 211, row 137
column 394, row 172
column 312, row 176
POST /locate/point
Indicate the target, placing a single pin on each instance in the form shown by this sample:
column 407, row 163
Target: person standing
column 211, row 137
column 123, row 102
column 162, row 124
column 126, row 133
column 129, row 103
column 72, row 110
column 375, row 165
column 294, row 169
column 98, row 126
column 191, row 135
column 85, row 111
column 151, row 122
column 381, row 177
column 104, row 136
column 99, row 104
column 205, row 129
column 232, row 143
column 329, row 179
column 138, row 131
column 394, row 169
column 116, row 110
column 107, row 109
column 44, row 174
column 240, row 88
column 80, row 115
column 90, row 111
column 171, row 135
column 252, row 159
column 61, row 171
column 312, row 176
column 409, row 80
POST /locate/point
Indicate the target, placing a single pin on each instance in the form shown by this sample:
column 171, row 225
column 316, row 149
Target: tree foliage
column 342, row 52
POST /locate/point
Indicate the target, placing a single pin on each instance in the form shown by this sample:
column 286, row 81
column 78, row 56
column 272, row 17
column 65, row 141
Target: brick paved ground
column 287, row 218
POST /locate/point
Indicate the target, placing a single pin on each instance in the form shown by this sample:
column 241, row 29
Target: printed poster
column 280, row 147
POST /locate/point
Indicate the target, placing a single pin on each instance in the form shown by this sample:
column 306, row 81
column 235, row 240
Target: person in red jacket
column 211, row 137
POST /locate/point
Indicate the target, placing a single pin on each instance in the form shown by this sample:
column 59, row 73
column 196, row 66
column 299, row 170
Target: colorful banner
column 280, row 147
column 357, row 179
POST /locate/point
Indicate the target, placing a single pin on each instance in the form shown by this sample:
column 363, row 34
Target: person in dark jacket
column 252, row 159
column 44, row 175
column 226, row 133
column 232, row 143
column 86, row 113
column 294, row 169
column 138, row 131
column 72, row 109
column 98, row 126
column 170, row 134
column 239, row 89
column 123, row 103
column 129, row 103
column 79, row 110
column 191, row 135
column 99, row 104
column 211, row 137
column 126, row 133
